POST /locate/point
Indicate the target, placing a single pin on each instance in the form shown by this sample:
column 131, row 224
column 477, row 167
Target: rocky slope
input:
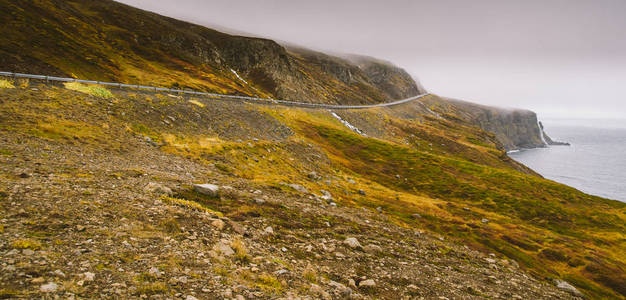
column 98, row 201
column 97, row 185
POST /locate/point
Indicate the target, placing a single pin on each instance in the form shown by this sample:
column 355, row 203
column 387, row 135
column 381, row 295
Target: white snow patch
column 352, row 127
column 235, row 72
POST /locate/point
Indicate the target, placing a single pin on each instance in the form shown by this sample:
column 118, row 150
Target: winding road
column 211, row 95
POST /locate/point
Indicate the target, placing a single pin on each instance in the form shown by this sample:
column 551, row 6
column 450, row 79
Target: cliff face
column 514, row 128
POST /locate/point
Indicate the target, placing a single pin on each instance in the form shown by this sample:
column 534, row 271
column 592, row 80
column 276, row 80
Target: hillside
column 97, row 185
column 106, row 40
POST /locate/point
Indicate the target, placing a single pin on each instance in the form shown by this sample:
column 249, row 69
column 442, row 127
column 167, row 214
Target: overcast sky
column 560, row 58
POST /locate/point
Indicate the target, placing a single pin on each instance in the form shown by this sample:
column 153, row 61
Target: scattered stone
column 352, row 243
column 367, row 283
column 24, row 175
column 158, row 188
column 154, row 271
column 351, row 283
column 228, row 293
column 379, row 209
column 190, row 297
column 281, row 272
column 298, row 188
column 49, row 287
column 208, row 189
column 565, row 286
column 416, row 216
column 485, row 221
column 28, row 252
column 362, row 192
column 218, row 224
column 326, row 195
column 313, row 176
column 88, row 276
column 373, row 249
column 268, row 230
column 224, row 249
column 259, row 201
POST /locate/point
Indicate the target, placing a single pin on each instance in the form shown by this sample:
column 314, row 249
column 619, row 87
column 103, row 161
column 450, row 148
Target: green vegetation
column 5, row 84
column 93, row 90
column 26, row 244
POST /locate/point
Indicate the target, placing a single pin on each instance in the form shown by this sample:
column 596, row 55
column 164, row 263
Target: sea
column 595, row 163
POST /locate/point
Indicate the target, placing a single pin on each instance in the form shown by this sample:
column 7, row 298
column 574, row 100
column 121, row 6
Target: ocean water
column 595, row 163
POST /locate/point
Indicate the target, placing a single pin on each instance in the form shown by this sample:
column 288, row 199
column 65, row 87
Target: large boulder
column 565, row 286
column 208, row 189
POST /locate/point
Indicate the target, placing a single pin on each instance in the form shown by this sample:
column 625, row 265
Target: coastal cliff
column 514, row 128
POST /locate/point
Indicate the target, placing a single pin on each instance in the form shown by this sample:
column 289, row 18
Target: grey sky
column 557, row 57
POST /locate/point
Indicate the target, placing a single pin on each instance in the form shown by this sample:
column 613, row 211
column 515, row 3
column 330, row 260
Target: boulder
column 367, row 283
column 218, row 224
column 49, row 287
column 157, row 188
column 208, row 189
column 373, row 249
column 223, row 249
column 352, row 243
column 565, row 286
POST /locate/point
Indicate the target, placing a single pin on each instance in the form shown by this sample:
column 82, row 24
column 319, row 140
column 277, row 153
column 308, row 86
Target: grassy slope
column 451, row 174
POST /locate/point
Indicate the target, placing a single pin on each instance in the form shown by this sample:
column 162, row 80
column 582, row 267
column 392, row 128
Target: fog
column 560, row 58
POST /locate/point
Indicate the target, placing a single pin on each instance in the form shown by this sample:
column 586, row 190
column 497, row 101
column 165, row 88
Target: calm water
column 595, row 163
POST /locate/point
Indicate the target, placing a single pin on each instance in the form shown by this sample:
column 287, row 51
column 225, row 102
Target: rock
column 49, row 287
column 485, row 221
column 352, row 243
column 224, row 249
column 190, row 297
column 565, row 286
column 218, row 224
column 237, row 227
column 373, row 249
column 281, row 272
column 154, row 271
column 239, row 297
column 228, row 293
column 259, row 201
column 313, row 176
column 24, row 175
column 362, row 192
column 158, row 188
column 28, row 252
column 379, row 209
column 208, row 189
column 326, row 195
column 88, row 276
column 416, row 216
column 317, row 290
column 351, row 283
column 59, row 273
column 367, row 283
column 268, row 230
column 298, row 188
